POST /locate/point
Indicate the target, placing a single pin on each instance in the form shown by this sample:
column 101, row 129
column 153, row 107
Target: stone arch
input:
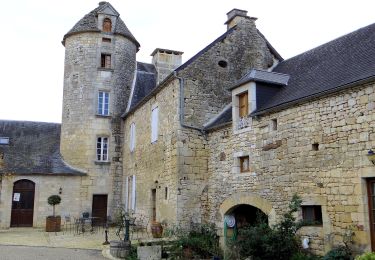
column 247, row 199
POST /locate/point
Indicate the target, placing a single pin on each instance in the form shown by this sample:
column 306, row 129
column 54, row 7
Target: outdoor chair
column 67, row 224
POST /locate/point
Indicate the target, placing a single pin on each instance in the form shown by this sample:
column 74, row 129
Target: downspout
column 182, row 107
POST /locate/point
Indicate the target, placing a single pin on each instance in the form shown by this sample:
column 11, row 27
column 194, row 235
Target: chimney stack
column 165, row 61
column 235, row 16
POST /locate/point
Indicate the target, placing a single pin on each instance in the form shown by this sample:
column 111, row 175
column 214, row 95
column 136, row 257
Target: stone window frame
column 109, row 103
column 236, row 168
column 99, row 157
column 250, row 88
column 104, row 64
column 321, row 201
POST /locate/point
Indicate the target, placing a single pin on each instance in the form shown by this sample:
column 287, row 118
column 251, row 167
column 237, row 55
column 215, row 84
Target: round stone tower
column 100, row 64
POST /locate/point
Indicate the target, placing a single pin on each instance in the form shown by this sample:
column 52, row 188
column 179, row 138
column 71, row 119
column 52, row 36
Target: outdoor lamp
column 371, row 156
column 60, row 190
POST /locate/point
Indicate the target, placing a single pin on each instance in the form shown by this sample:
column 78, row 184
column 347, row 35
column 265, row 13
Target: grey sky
column 33, row 57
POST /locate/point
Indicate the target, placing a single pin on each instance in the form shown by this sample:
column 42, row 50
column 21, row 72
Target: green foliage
column 263, row 242
column 305, row 256
column 366, row 256
column 54, row 200
column 132, row 254
column 201, row 240
column 339, row 253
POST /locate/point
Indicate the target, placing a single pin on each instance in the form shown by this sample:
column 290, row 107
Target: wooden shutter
column 107, row 61
column 243, row 104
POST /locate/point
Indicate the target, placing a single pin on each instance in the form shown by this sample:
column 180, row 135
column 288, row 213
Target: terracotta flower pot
column 53, row 224
column 156, row 229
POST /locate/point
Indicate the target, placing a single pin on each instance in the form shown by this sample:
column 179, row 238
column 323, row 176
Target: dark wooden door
column 99, row 209
column 371, row 209
column 153, row 197
column 23, row 204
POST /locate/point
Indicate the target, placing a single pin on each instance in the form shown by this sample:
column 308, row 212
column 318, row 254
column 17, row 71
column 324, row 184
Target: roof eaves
column 288, row 104
column 150, row 95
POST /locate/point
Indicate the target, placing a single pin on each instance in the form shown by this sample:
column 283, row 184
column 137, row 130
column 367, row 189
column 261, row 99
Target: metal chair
column 67, row 223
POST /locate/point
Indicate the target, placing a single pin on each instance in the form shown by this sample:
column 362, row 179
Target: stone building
column 234, row 131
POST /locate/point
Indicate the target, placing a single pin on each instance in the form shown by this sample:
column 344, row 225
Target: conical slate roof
column 89, row 24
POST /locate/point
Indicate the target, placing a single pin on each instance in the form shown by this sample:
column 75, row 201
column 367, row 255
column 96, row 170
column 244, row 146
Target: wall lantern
column 60, row 190
column 371, row 156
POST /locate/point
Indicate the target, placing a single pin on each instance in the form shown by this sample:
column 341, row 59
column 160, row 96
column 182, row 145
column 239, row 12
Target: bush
column 339, row 253
column 263, row 242
column 54, row 200
column 201, row 240
column 366, row 256
column 305, row 256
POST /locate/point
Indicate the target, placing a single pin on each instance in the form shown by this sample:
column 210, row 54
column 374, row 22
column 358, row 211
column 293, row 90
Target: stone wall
column 283, row 162
column 208, row 78
column 83, row 79
column 45, row 186
column 155, row 164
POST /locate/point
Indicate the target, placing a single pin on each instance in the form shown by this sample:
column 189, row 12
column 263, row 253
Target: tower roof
column 89, row 23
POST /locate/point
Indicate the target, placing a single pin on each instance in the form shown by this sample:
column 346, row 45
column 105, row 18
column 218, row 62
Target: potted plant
column 53, row 223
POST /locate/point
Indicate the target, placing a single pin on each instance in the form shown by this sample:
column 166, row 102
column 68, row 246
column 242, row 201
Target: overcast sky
column 32, row 64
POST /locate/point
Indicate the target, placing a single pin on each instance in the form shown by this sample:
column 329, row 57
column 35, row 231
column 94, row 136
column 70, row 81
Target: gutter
column 182, row 107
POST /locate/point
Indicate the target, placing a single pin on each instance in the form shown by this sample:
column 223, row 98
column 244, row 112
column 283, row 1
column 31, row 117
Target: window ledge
column 103, row 116
column 102, row 162
column 105, row 69
column 242, row 130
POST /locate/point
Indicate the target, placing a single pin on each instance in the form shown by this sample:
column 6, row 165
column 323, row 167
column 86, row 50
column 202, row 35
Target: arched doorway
column 241, row 216
column 23, row 204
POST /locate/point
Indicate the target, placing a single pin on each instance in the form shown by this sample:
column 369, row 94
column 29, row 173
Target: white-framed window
column 4, row 140
column 132, row 137
column 102, row 148
column 154, row 124
column 103, row 103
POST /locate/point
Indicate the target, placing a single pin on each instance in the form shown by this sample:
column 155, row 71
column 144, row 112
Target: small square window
column 244, row 164
column 315, row 147
column 274, row 124
column 312, row 214
column 4, row 140
column 106, row 40
column 106, row 61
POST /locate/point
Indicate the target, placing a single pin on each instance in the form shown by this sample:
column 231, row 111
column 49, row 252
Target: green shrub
column 262, row 242
column 201, row 240
column 366, row 256
column 305, row 256
column 54, row 200
column 339, row 253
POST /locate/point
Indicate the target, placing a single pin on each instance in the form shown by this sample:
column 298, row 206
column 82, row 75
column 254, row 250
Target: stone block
column 149, row 252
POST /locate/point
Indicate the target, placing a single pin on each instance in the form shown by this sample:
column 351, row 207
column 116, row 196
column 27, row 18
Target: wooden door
column 153, row 197
column 371, row 209
column 99, row 209
column 23, row 204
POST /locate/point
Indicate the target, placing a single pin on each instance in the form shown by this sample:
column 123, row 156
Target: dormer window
column 243, row 110
column 107, row 25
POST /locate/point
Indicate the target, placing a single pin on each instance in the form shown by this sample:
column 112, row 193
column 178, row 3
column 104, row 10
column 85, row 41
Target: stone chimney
column 165, row 61
column 235, row 16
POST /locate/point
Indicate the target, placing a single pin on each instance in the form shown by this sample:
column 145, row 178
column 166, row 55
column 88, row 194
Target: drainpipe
column 182, row 107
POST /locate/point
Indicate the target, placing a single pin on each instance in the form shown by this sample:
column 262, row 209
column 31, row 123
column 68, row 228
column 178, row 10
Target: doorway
column 153, row 197
column 99, row 209
column 371, row 209
column 22, row 204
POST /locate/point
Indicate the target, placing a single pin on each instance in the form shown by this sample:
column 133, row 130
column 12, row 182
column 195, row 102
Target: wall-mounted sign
column 16, row 196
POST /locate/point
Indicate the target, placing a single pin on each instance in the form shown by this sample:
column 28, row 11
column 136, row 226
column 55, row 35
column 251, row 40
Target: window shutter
column 126, row 193
column 107, row 61
column 132, row 137
column 133, row 193
column 243, row 105
column 154, row 124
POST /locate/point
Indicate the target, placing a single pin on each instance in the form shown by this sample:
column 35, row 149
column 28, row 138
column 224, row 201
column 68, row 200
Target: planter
column 119, row 249
column 53, row 224
column 156, row 229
